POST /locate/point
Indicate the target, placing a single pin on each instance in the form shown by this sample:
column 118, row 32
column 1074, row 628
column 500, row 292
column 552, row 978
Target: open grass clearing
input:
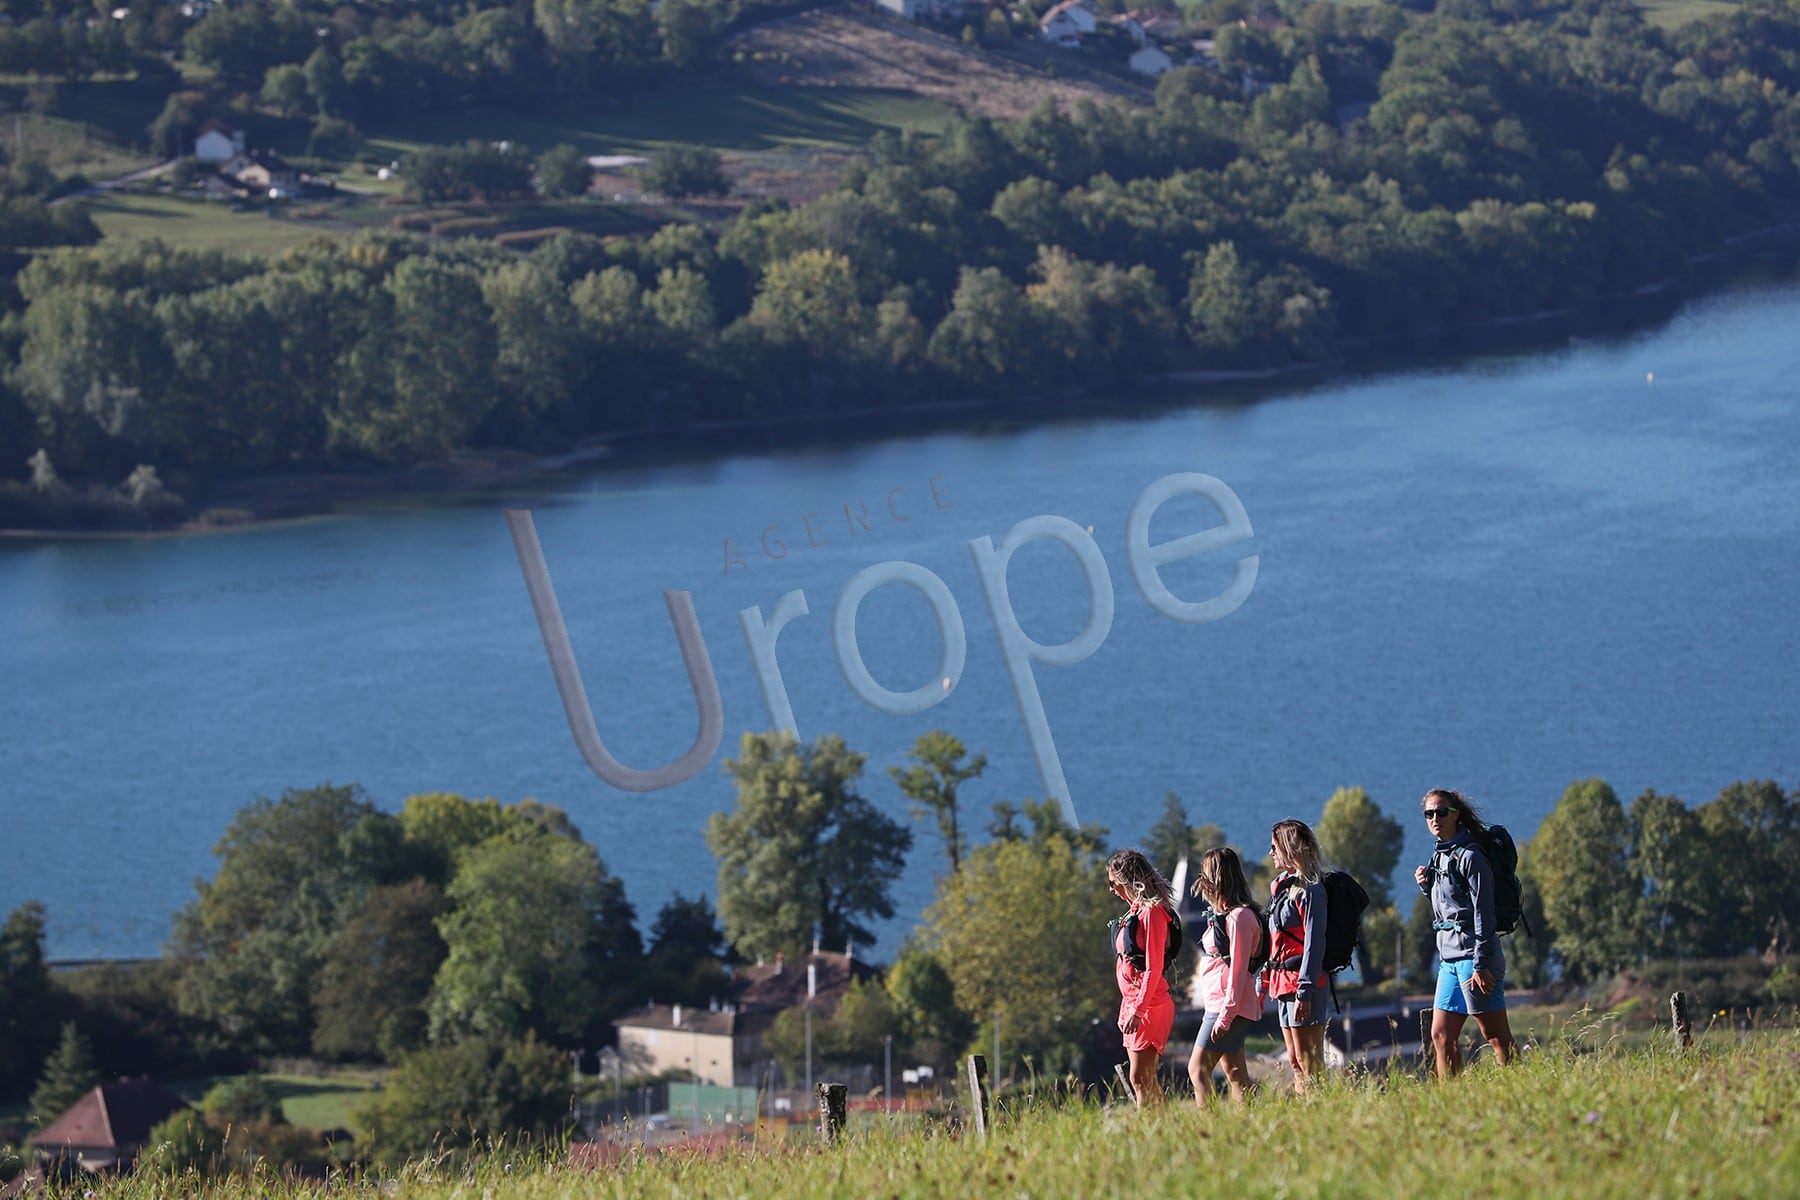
column 197, row 224
column 309, row 1101
column 737, row 119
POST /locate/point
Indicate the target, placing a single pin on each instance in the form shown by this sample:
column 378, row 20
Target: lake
column 1501, row 575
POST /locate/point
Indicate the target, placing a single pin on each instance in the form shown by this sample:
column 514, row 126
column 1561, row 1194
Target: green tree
column 1420, row 941
column 284, row 89
column 1581, row 860
column 241, row 1100
column 540, row 937
column 69, row 1074
column 563, row 172
column 376, row 973
column 1357, row 836
column 1670, row 852
column 933, row 1024
column 464, row 1094
column 811, row 300
column 682, row 171
column 1015, row 930
column 1172, row 837
column 851, row 1033
column 802, row 854
column 248, row 948
column 1754, row 859
column 932, row 781
column 688, row 953
column 29, row 1002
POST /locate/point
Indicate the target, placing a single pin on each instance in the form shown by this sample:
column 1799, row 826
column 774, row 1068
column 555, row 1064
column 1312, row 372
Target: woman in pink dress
column 1142, row 945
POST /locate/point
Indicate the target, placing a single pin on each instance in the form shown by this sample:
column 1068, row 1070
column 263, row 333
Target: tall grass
column 1585, row 1116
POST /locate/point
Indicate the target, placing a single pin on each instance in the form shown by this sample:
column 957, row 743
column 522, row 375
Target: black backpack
column 1222, row 939
column 1509, row 896
column 1171, row 948
column 1345, row 901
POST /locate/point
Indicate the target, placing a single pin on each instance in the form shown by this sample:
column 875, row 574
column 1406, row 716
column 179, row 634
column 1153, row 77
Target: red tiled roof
column 117, row 1116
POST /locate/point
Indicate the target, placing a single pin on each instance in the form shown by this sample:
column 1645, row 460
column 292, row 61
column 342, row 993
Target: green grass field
column 310, row 1101
column 1579, row 1117
column 727, row 119
column 130, row 216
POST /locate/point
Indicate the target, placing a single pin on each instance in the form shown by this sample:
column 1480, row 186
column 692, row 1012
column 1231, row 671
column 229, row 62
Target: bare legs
column 1143, row 1076
column 1446, row 1031
column 1306, row 1053
column 1200, row 1070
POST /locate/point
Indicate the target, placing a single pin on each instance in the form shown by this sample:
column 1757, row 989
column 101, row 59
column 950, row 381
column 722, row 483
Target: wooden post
column 1125, row 1081
column 832, row 1097
column 1684, row 1033
column 1426, row 1054
column 978, row 1093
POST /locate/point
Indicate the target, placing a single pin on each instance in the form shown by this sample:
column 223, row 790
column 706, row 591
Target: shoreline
column 255, row 501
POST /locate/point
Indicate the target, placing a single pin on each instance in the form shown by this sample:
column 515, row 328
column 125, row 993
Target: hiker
column 1142, row 945
column 1296, row 969
column 1230, row 949
column 1471, row 964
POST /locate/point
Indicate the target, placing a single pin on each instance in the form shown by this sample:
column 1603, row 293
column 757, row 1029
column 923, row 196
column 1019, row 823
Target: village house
column 105, row 1129
column 218, row 141
column 1067, row 23
column 1151, row 61
column 1145, row 25
column 722, row 1044
column 261, row 170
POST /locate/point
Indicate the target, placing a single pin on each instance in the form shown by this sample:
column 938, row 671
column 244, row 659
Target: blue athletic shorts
column 1223, row 1043
column 1455, row 995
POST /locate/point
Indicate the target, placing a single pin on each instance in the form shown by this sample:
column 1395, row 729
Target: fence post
column 1684, row 1034
column 1124, row 1081
column 978, row 1093
column 832, row 1097
column 1426, row 1057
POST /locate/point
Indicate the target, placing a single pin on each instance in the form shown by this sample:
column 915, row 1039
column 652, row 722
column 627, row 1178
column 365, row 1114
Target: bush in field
column 465, row 1093
column 687, row 171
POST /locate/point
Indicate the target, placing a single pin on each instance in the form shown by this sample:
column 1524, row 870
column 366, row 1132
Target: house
column 1067, row 23
column 218, row 141
column 1151, row 61
column 723, row 1043
column 1144, row 25
column 260, row 170
column 1206, row 54
column 105, row 1129
column 922, row 10
column 1130, row 26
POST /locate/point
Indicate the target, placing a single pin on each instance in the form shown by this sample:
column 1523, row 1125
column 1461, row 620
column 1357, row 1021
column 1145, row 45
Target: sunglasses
column 1438, row 812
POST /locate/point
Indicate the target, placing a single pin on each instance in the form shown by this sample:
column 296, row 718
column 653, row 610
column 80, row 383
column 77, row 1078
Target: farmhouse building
column 105, row 1129
column 218, row 141
column 1067, row 23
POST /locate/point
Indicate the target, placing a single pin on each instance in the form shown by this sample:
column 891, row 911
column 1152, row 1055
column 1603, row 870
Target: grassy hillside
column 1583, row 1117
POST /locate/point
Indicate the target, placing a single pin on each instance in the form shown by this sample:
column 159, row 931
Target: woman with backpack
column 1471, row 964
column 1232, row 943
column 1296, row 969
column 1143, row 941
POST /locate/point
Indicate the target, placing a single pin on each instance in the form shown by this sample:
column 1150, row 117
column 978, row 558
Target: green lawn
column 727, row 119
column 1668, row 14
column 124, row 216
column 306, row 1100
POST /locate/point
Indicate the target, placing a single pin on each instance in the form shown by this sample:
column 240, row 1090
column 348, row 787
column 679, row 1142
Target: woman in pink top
column 1141, row 945
column 1233, row 938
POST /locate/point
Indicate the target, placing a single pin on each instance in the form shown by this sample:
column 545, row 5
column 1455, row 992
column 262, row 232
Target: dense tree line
column 1505, row 167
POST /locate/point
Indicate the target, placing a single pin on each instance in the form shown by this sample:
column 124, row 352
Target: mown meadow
column 1583, row 1114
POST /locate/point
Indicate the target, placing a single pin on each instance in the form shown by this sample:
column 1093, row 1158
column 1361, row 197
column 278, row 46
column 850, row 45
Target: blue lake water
column 1501, row 576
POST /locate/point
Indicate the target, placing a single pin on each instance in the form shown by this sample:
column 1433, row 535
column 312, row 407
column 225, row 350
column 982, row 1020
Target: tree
column 935, row 1027
column 802, row 854
column 464, row 1094
column 284, row 89
column 851, row 1033
column 1670, row 852
column 540, row 937
column 682, row 171
column 1754, row 866
column 28, row 1000
column 810, row 300
column 1580, row 858
column 1015, row 930
column 1172, row 837
column 376, row 972
column 247, row 950
column 563, row 172
column 1363, row 840
column 688, row 953
column 69, row 1075
column 932, row 781
column 241, row 1100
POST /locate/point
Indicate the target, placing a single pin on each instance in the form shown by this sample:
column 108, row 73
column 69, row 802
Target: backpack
column 1222, row 939
column 1171, row 947
column 1345, row 901
column 1509, row 897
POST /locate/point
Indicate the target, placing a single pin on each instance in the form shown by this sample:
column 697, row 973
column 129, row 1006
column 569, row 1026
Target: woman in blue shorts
column 1471, row 964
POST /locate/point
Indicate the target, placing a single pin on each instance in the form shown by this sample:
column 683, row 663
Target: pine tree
column 68, row 1076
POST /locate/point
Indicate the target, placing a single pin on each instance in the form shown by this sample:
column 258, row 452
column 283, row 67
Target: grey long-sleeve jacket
column 1462, row 904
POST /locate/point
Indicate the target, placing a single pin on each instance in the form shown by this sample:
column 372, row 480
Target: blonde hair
column 1141, row 878
column 1221, row 876
column 1297, row 844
